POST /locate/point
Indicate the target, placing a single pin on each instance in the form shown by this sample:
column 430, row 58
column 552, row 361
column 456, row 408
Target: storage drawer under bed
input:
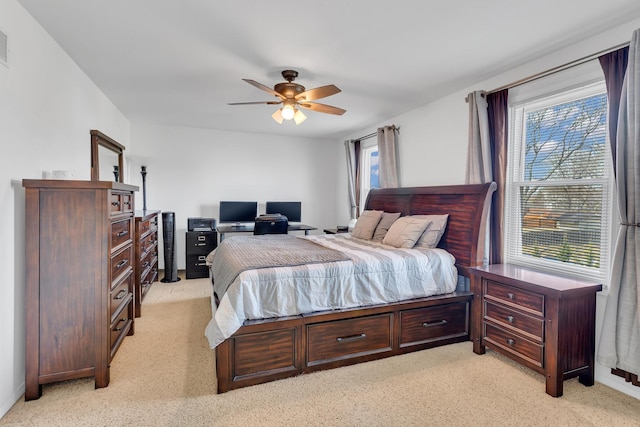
column 436, row 323
column 344, row 339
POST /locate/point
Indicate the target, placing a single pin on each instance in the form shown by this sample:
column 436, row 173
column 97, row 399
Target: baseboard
column 603, row 376
column 8, row 404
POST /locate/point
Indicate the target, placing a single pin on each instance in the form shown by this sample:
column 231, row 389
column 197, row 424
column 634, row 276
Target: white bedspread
column 375, row 274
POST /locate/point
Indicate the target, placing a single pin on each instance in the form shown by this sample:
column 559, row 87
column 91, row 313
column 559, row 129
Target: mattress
column 373, row 274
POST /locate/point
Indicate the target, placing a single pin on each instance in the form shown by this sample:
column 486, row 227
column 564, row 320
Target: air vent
column 4, row 49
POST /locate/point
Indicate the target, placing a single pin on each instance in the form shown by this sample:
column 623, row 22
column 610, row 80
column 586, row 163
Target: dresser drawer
column 514, row 343
column 150, row 277
column 120, row 233
column 343, row 339
column 528, row 301
column 532, row 327
column 147, row 244
column 148, row 260
column 433, row 323
column 120, row 263
column 121, row 325
column 147, row 225
column 120, row 203
column 120, row 293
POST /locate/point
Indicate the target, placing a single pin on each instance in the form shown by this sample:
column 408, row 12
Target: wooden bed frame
column 272, row 349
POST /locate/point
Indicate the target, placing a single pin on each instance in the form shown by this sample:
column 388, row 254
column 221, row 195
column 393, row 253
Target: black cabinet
column 199, row 244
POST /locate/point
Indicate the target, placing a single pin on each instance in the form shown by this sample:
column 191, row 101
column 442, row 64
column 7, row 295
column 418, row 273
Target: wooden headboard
column 467, row 206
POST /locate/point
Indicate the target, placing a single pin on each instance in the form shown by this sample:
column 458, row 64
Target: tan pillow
column 383, row 226
column 434, row 231
column 366, row 224
column 405, row 232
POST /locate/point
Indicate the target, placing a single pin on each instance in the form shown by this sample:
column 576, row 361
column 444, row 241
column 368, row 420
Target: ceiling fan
column 294, row 96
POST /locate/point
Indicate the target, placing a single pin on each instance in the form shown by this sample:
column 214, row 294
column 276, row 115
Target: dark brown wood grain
column 78, row 285
column 564, row 307
column 145, row 255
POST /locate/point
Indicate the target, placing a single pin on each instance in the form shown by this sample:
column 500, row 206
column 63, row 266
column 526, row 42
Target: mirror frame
column 98, row 139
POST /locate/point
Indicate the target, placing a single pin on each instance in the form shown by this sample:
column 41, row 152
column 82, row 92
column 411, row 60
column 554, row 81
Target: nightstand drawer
column 527, row 301
column 532, row 327
column 514, row 343
column 343, row 339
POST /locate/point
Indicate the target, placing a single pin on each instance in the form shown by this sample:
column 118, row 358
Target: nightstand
column 542, row 321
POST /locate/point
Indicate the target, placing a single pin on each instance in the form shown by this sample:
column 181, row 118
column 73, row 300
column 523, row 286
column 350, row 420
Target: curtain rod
column 371, row 135
column 562, row 67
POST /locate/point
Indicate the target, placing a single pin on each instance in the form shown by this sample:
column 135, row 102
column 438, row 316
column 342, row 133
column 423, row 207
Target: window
column 368, row 170
column 558, row 189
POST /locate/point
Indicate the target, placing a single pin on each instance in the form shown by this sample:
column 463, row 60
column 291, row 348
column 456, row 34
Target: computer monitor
column 292, row 210
column 238, row 212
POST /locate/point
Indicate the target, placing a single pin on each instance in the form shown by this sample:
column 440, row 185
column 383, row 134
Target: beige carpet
column 164, row 376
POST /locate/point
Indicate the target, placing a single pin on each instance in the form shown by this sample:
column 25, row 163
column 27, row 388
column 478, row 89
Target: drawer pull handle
column 122, row 263
column 439, row 323
column 201, row 238
column 201, row 264
column 510, row 319
column 118, row 327
column 122, row 233
column 128, row 203
column 511, row 296
column 351, row 338
column 121, row 294
column 510, row 341
column 115, row 203
column 200, row 244
column 145, row 264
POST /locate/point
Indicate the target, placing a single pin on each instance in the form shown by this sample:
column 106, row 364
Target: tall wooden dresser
column 79, row 279
column 146, row 255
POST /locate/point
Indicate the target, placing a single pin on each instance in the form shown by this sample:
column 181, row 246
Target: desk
column 222, row 229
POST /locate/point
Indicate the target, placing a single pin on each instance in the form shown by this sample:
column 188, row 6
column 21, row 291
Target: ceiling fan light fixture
column 288, row 112
column 298, row 117
column 277, row 116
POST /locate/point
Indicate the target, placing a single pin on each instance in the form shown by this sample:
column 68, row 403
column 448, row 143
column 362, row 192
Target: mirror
column 105, row 154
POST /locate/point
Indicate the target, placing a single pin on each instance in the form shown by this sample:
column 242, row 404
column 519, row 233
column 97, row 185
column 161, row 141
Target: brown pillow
column 405, row 232
column 383, row 226
column 366, row 224
column 434, row 231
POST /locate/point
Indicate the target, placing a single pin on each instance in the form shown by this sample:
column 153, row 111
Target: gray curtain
column 479, row 148
column 479, row 152
column 620, row 338
column 349, row 146
column 387, row 158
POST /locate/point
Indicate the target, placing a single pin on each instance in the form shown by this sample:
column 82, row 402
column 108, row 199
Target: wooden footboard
column 268, row 350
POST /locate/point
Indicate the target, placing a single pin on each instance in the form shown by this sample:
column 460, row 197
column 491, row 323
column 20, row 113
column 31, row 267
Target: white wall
column 433, row 143
column 47, row 107
column 190, row 170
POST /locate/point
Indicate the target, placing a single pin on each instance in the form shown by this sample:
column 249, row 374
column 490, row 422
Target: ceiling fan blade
column 256, row 102
column 319, row 92
column 322, row 108
column 264, row 88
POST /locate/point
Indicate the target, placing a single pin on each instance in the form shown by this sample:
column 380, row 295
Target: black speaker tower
column 169, row 240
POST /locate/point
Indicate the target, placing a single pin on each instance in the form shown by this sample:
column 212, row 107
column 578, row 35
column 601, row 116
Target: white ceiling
column 179, row 62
